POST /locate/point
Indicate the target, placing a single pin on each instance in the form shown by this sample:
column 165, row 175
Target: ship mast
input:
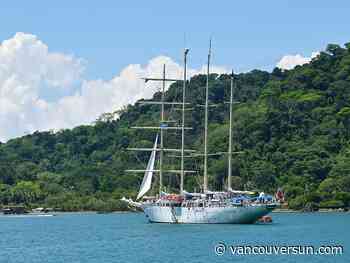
column 205, row 183
column 233, row 85
column 183, row 123
column 161, row 154
column 229, row 180
column 164, row 126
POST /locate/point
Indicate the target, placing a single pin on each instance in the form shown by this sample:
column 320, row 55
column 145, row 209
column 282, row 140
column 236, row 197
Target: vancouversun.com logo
column 222, row 248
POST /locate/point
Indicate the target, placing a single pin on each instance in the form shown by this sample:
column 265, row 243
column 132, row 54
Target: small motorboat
column 265, row 219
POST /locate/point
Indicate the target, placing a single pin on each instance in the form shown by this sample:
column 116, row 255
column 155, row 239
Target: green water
column 128, row 237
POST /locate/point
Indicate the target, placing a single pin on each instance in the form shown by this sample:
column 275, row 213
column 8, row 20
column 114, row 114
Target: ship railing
column 208, row 203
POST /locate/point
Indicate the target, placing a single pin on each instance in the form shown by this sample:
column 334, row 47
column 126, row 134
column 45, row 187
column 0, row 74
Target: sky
column 64, row 63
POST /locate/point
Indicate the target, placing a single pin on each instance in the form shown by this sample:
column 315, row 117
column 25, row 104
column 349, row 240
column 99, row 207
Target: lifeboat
column 265, row 219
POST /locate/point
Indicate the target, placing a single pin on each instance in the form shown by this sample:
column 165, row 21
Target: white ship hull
column 206, row 215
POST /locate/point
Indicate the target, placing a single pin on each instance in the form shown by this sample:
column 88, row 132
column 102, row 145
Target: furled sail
column 147, row 179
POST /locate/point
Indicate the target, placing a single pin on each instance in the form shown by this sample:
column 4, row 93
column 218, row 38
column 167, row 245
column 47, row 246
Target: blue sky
column 79, row 59
column 112, row 34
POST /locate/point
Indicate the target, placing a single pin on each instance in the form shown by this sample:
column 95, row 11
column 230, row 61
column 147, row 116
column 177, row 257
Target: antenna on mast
column 185, row 41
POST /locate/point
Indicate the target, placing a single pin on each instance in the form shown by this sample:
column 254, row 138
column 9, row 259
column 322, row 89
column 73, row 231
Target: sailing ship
column 207, row 207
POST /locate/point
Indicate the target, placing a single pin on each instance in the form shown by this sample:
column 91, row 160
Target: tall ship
column 206, row 207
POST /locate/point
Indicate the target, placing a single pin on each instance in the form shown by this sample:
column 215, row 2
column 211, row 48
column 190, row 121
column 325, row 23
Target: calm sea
column 128, row 237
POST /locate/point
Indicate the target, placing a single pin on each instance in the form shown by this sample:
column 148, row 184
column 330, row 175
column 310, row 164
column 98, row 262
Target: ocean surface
column 128, row 237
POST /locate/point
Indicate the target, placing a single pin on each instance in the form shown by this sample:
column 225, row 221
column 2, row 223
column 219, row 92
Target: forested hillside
column 292, row 127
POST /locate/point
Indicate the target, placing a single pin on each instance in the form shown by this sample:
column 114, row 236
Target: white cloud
column 26, row 67
column 28, row 71
column 291, row 61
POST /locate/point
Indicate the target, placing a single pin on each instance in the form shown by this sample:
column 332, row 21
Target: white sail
column 147, row 179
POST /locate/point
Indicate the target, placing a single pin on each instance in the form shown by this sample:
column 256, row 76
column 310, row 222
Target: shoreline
column 322, row 210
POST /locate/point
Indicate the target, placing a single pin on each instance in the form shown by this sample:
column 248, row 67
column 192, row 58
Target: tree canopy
column 293, row 127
